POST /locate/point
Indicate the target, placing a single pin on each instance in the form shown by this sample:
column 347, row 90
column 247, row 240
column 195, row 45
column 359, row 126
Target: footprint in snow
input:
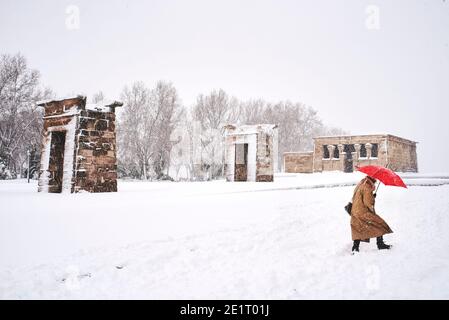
column 79, row 277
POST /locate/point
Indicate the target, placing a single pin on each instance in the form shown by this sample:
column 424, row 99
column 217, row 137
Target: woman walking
column 365, row 223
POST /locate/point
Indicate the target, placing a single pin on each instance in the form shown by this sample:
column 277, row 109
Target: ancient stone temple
column 251, row 152
column 346, row 153
column 78, row 146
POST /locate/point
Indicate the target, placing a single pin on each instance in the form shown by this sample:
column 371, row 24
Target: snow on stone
column 252, row 129
column 71, row 112
column 45, row 161
column 48, row 101
column 103, row 106
column 69, row 154
column 289, row 239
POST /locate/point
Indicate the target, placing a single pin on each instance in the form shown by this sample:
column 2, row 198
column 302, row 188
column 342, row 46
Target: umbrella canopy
column 384, row 175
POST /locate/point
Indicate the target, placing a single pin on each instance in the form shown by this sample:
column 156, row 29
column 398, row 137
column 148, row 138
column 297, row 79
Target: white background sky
column 391, row 80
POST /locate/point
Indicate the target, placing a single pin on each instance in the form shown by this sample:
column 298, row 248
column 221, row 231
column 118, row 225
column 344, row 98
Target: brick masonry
column 90, row 162
column 298, row 162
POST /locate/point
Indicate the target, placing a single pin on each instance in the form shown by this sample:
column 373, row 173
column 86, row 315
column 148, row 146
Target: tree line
column 158, row 137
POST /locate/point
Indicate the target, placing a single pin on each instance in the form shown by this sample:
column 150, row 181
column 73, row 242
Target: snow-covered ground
column 216, row 240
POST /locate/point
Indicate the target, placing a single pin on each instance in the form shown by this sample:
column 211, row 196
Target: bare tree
column 20, row 118
column 134, row 153
column 98, row 97
column 333, row 131
column 165, row 101
column 148, row 120
column 252, row 112
column 213, row 112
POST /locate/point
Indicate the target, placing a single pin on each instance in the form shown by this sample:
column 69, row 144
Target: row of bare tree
column 20, row 119
column 147, row 121
column 157, row 137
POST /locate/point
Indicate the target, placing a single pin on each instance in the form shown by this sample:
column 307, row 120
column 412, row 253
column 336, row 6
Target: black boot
column 355, row 247
column 381, row 244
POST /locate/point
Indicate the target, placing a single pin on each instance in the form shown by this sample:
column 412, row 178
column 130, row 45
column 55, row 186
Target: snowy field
column 215, row 240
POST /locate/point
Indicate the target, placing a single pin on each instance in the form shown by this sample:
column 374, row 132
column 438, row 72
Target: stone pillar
column 355, row 156
column 357, row 150
column 368, row 147
column 331, row 149
column 341, row 154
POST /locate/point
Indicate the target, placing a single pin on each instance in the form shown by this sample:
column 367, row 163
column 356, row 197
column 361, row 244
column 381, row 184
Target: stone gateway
column 78, row 146
column 251, row 152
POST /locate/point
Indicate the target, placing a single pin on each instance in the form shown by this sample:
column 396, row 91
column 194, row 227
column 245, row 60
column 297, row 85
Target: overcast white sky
column 327, row 54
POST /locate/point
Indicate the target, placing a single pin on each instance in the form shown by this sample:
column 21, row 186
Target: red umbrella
column 384, row 175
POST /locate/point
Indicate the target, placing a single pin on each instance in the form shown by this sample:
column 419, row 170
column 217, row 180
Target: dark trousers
column 380, row 240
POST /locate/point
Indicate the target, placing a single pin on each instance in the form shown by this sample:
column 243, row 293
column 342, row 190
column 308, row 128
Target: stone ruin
column 78, row 147
column 251, row 152
column 347, row 153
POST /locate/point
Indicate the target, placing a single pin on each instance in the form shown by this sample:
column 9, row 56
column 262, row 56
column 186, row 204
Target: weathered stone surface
column 298, row 162
column 56, row 108
column 250, row 152
column 101, row 125
column 94, row 164
column 345, row 154
column 402, row 155
column 264, row 178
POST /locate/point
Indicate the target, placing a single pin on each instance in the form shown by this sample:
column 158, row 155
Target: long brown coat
column 365, row 223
